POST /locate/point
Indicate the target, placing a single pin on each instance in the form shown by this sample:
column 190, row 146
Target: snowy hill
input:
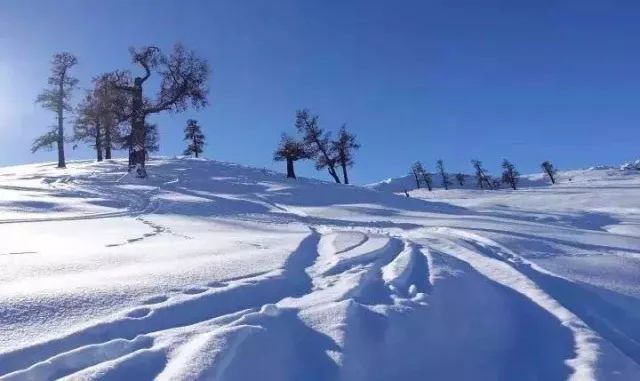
column 408, row 182
column 215, row 271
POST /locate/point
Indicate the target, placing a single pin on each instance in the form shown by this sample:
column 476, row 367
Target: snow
column 210, row 270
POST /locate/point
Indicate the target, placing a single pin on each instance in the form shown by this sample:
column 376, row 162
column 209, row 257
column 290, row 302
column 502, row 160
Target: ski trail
column 192, row 308
column 592, row 352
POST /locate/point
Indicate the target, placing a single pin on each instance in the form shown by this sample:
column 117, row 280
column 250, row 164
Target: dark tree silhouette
column 510, row 175
column 193, row 134
column 112, row 109
column 151, row 140
column 342, row 149
column 416, row 170
column 87, row 126
column 443, row 175
column 422, row 175
column 550, row 170
column 482, row 178
column 183, row 78
column 56, row 98
column 316, row 142
column 290, row 150
column 460, row 179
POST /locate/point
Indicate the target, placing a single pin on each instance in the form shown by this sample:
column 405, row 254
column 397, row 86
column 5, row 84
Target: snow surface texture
column 214, row 271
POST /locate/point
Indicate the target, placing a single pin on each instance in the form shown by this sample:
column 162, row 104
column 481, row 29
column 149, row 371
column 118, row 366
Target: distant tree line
column 510, row 175
column 316, row 144
column 113, row 114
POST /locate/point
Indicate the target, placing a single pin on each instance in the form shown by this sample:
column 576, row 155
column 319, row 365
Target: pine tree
column 460, row 179
column 193, row 134
column 443, row 175
column 316, row 142
column 510, row 175
column 550, row 170
column 290, row 150
column 342, row 148
column 56, row 98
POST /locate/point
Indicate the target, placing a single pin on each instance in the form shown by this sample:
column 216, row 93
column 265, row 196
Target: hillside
column 210, row 270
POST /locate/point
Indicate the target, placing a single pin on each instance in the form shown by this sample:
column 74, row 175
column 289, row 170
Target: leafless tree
column 183, row 79
column 443, row 175
column 482, row 178
column 316, row 142
column 550, row 170
column 510, row 175
column 342, row 148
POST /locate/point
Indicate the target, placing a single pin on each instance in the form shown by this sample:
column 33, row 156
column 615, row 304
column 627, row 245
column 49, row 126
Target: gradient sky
column 415, row 80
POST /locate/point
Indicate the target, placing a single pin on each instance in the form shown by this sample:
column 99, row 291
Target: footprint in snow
column 194, row 290
column 139, row 313
column 156, row 299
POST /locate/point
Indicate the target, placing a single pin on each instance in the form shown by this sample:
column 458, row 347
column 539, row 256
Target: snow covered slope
column 214, row 271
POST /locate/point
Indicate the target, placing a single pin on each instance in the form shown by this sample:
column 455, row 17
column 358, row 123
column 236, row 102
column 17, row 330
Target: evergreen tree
column 460, row 179
column 56, row 98
column 290, row 150
column 342, row 148
column 550, row 170
column 316, row 142
column 193, row 134
column 443, row 175
column 510, row 175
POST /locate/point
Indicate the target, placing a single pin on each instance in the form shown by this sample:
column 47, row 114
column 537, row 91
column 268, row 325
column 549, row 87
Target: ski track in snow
column 356, row 300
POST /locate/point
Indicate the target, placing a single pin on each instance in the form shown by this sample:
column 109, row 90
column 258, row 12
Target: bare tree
column 87, row 126
column 422, row 175
column 56, row 98
column 460, row 179
column 193, row 134
column 316, row 142
column 290, row 150
column 443, row 175
column 510, row 175
column 416, row 170
column 183, row 78
column 550, row 170
column 112, row 109
column 342, row 148
column 482, row 178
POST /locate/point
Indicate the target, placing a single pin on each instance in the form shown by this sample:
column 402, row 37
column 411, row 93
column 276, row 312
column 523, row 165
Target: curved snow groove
column 290, row 281
column 591, row 351
column 607, row 319
column 69, row 362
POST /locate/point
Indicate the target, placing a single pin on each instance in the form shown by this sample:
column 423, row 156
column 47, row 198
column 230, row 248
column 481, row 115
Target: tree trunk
column 107, row 142
column 98, row 143
column 138, row 154
column 290, row 171
column 195, row 152
column 332, row 172
column 553, row 181
column 60, row 140
column 344, row 174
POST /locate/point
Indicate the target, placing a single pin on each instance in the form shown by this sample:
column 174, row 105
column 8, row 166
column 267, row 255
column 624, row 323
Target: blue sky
column 415, row 80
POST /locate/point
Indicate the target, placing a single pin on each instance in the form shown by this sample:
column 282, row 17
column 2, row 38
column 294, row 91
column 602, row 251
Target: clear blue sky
column 416, row 80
